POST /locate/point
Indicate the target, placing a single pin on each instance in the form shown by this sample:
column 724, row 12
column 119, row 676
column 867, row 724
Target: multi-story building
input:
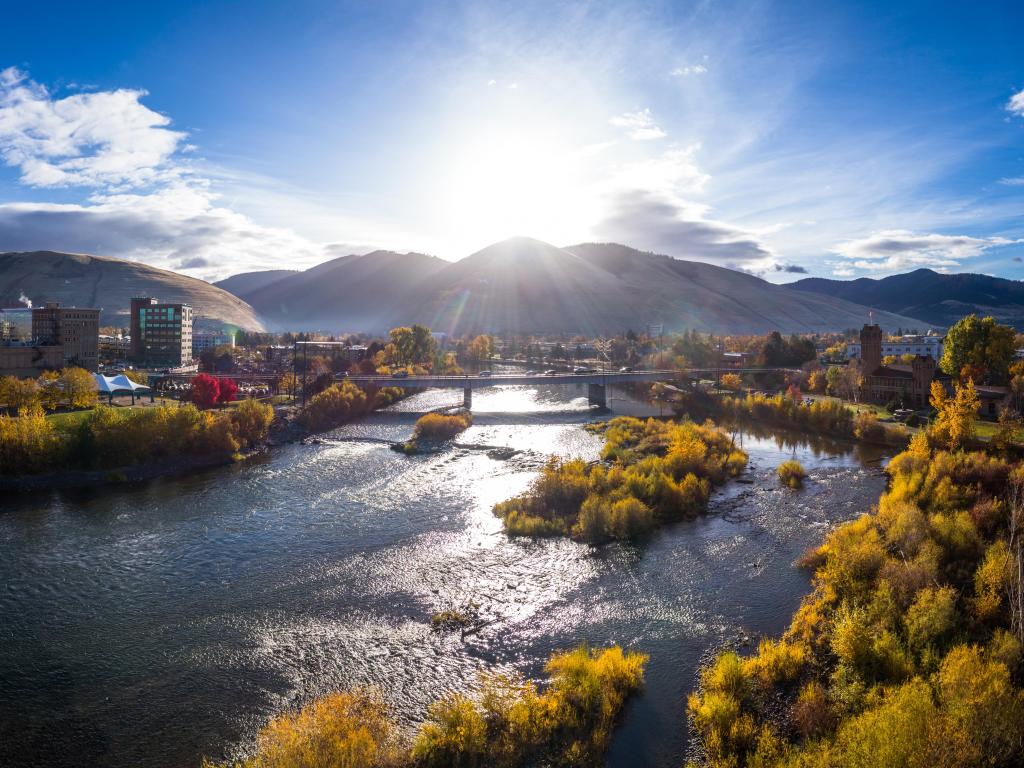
column 161, row 334
column 15, row 325
column 204, row 340
column 75, row 329
column 910, row 385
column 929, row 345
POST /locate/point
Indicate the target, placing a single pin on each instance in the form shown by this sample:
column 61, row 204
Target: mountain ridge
column 937, row 298
column 76, row 279
column 524, row 285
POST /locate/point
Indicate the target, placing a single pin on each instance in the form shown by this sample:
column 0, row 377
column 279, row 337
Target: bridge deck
column 476, row 382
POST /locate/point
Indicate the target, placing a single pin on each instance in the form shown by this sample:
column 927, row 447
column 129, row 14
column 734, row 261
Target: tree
column 18, row 393
column 954, row 422
column 51, row 394
column 227, row 389
column 978, row 347
column 205, row 391
column 816, row 382
column 482, row 348
column 288, row 384
column 844, row 381
column 732, row 381
column 79, row 387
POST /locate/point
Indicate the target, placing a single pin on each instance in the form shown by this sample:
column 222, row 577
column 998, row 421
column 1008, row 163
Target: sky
column 786, row 139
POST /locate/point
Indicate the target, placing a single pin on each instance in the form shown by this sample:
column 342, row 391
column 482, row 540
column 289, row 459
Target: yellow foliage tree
column 954, row 421
column 79, row 387
column 50, row 391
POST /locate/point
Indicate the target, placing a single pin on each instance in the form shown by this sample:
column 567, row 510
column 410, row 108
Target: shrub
column 351, row 729
column 252, row 420
column 791, row 473
column 438, row 427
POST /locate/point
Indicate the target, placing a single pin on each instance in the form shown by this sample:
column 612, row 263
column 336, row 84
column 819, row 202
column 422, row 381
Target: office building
column 161, row 334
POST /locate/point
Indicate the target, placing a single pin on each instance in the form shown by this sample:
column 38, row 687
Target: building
column 28, row 361
column 16, row 325
column 910, row 385
column 929, row 344
column 204, row 340
column 161, row 334
column 76, row 330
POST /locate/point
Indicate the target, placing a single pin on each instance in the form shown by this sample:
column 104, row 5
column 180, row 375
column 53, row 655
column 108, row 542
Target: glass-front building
column 161, row 334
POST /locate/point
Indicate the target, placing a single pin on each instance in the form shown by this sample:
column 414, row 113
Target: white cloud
column 640, row 126
column 899, row 250
column 177, row 228
column 1016, row 103
column 1013, row 181
column 86, row 139
column 693, row 69
column 145, row 202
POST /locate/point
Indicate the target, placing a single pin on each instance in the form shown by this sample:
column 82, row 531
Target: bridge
column 596, row 381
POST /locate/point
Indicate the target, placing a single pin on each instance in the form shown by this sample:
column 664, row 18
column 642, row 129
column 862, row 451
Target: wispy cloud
column 900, row 250
column 640, row 126
column 690, row 69
column 1013, row 181
column 1016, row 103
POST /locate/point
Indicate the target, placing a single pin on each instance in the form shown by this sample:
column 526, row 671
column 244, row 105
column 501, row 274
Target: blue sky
column 832, row 139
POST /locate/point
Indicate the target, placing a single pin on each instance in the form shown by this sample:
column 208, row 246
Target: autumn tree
column 51, row 393
column 205, row 391
column 732, row 381
column 18, row 393
column 954, row 421
column 227, row 389
column 481, row 348
column 978, row 348
column 79, row 387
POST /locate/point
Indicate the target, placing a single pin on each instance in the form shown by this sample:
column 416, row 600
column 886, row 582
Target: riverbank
column 289, row 424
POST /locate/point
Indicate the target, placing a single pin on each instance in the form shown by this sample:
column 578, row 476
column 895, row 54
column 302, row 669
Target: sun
column 513, row 182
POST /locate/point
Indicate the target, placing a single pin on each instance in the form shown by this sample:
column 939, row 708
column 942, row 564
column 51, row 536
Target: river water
column 149, row 625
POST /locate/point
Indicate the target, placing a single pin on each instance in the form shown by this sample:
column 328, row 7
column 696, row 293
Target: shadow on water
column 150, row 625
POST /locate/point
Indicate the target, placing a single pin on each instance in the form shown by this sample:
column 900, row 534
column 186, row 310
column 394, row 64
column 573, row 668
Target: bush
column 252, row 420
column 351, row 729
column 791, row 473
column 657, row 472
column 513, row 724
column 439, row 427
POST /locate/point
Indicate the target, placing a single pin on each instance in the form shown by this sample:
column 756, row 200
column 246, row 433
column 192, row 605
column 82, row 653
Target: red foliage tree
column 206, row 391
column 228, row 390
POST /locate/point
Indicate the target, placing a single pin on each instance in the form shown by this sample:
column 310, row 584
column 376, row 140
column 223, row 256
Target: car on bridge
column 583, row 369
column 551, row 372
column 484, row 374
column 400, row 375
column 626, row 369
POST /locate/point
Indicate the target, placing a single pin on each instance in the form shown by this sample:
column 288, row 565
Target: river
column 146, row 626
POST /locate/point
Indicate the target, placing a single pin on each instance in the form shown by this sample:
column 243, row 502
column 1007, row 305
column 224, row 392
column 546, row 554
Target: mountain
column 528, row 286
column 241, row 285
column 523, row 285
column 350, row 293
column 938, row 299
column 95, row 281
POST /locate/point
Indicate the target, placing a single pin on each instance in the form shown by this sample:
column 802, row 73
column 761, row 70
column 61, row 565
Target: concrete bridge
column 597, row 382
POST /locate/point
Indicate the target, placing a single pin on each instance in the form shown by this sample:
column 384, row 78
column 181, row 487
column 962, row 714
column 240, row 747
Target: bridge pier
column 467, row 398
column 597, row 395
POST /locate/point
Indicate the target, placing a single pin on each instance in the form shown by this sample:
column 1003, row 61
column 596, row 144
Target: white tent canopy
column 120, row 383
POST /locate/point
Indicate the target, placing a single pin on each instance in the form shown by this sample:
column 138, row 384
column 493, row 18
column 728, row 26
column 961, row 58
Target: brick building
column 76, row 330
column 910, row 385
